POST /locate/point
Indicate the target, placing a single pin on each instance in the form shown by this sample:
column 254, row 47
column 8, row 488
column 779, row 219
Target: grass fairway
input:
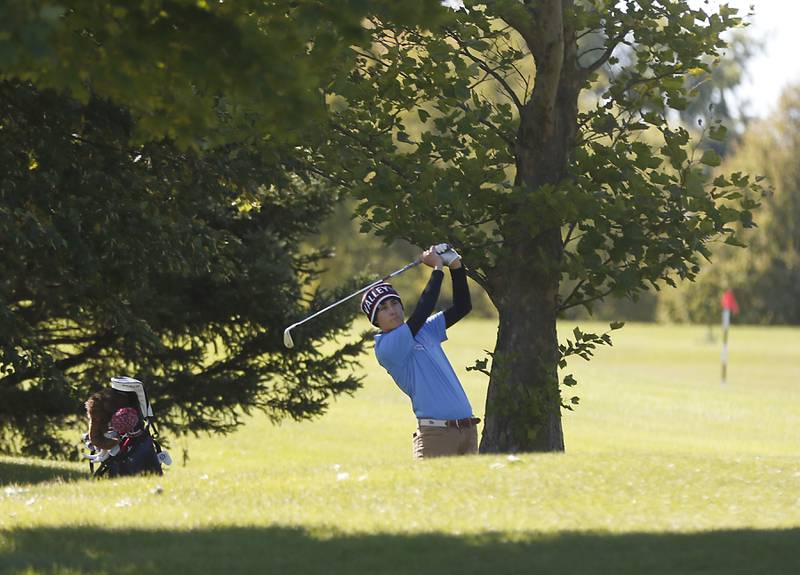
column 666, row 472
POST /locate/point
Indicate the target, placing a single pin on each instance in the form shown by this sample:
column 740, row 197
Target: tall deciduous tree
column 475, row 134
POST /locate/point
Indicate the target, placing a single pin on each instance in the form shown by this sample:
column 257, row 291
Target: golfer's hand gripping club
column 447, row 253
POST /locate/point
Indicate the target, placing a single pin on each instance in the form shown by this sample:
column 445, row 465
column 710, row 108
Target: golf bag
column 138, row 451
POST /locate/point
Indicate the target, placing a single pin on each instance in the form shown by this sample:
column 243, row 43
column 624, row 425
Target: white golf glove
column 448, row 254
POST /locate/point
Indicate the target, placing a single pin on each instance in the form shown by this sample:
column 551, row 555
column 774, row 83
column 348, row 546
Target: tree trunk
column 523, row 404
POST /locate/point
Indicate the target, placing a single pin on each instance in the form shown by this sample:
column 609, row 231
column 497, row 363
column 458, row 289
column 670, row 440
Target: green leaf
column 462, row 92
column 721, row 181
column 616, row 324
column 718, row 133
column 711, row 158
column 733, row 241
column 728, row 215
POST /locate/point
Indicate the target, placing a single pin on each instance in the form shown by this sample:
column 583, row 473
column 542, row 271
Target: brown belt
column 457, row 423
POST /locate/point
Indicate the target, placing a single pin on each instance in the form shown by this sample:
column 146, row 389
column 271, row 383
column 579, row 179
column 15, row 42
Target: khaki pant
column 443, row 441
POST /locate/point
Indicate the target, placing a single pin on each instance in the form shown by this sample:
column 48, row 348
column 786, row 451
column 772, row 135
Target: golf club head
column 287, row 337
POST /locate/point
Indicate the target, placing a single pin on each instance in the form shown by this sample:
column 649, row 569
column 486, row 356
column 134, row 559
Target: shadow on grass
column 17, row 472
column 288, row 550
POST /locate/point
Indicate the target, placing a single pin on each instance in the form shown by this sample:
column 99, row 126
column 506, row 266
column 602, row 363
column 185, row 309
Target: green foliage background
column 179, row 268
column 766, row 276
column 153, row 204
column 159, row 216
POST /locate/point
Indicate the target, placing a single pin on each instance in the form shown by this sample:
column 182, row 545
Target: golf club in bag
column 287, row 335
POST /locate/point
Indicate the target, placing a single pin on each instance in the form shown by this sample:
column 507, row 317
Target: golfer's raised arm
column 462, row 302
column 427, row 301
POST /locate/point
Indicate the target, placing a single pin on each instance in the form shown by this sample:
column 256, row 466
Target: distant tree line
column 766, row 276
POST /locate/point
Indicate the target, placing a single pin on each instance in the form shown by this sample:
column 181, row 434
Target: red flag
column 729, row 302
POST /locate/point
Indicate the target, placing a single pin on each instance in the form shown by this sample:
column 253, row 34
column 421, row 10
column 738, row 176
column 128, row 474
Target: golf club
column 287, row 336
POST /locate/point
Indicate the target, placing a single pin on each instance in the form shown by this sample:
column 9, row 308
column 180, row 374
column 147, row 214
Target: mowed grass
column 666, row 471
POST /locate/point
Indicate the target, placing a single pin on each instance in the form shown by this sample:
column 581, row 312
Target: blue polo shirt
column 420, row 368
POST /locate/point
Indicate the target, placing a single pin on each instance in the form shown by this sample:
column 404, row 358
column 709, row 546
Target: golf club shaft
column 354, row 294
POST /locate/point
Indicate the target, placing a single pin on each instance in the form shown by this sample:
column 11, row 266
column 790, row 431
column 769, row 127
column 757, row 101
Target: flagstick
column 726, row 322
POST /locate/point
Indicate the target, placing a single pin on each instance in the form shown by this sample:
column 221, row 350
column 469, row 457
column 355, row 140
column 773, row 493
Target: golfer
column 411, row 352
column 100, row 408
